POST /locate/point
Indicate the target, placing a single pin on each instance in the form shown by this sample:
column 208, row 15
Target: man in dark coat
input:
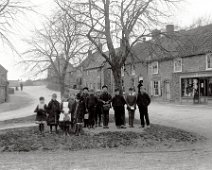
column 98, row 116
column 118, row 103
column 143, row 101
column 105, row 99
column 53, row 113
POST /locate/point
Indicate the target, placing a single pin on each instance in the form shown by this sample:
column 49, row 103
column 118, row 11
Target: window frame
column 156, row 62
column 181, row 67
column 153, row 88
column 206, row 60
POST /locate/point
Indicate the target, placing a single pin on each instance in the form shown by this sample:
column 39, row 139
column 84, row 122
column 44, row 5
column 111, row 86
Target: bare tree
column 9, row 11
column 107, row 22
column 54, row 48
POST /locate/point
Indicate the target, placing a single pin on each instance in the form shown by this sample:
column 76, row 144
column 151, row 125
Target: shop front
column 196, row 89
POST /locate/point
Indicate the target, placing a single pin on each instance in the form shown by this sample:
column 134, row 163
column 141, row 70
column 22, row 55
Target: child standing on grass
column 91, row 103
column 41, row 111
column 105, row 99
column 65, row 116
column 84, row 94
column 131, row 106
column 53, row 113
column 78, row 109
column 118, row 103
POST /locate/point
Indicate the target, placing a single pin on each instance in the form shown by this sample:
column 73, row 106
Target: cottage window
column 209, row 61
column 155, row 68
column 178, row 65
column 156, row 91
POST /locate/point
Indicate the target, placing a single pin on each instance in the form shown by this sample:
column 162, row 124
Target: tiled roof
column 183, row 43
column 94, row 60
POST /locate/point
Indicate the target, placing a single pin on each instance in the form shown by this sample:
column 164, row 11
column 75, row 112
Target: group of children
column 88, row 109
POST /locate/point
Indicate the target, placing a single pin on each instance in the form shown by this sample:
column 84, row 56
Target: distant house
column 3, row 84
column 52, row 77
column 93, row 77
column 14, row 83
column 185, row 74
column 175, row 67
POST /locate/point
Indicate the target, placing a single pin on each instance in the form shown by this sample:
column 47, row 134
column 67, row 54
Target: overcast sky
column 184, row 16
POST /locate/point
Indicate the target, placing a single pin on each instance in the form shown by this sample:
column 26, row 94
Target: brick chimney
column 170, row 28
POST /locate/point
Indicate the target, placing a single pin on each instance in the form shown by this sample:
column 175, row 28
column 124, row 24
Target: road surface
column 196, row 119
column 32, row 93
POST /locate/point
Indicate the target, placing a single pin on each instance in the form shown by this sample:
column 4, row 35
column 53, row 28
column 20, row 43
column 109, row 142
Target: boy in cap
column 105, row 99
column 118, row 103
column 91, row 103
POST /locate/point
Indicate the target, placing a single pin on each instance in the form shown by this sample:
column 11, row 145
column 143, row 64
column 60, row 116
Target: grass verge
column 156, row 137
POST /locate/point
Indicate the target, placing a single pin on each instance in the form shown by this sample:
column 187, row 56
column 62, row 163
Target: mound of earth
column 28, row 139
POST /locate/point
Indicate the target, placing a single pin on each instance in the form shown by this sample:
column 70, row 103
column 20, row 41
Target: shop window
column 154, row 68
column 178, row 65
column 209, row 87
column 209, row 61
column 189, row 86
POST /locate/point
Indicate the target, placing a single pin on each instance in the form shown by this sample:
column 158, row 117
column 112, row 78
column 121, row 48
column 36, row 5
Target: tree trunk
column 117, row 78
column 62, row 87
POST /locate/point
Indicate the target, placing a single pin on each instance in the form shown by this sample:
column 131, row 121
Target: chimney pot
column 170, row 28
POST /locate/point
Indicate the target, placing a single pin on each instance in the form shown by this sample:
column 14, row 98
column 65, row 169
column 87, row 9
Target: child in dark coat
column 91, row 103
column 78, row 110
column 53, row 113
column 84, row 95
column 118, row 103
column 99, row 110
column 105, row 99
column 41, row 111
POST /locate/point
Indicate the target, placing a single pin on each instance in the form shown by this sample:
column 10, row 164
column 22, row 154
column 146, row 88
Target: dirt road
column 31, row 93
column 191, row 118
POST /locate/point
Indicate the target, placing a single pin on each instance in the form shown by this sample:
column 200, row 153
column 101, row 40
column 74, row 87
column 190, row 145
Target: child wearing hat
column 105, row 99
column 91, row 103
column 78, row 110
column 53, row 113
column 41, row 111
column 118, row 103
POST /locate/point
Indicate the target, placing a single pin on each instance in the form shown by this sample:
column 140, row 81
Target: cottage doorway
column 167, row 91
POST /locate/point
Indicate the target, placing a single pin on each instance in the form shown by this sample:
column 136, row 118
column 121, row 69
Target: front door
column 167, row 91
column 203, row 83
